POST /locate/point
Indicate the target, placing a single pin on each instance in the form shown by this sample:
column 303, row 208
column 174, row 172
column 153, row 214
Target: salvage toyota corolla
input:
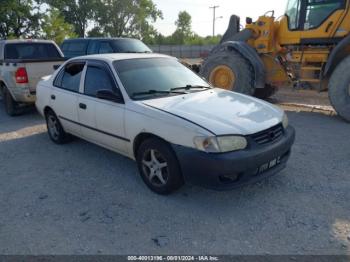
column 177, row 127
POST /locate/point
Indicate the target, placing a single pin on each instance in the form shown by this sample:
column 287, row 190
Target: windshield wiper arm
column 189, row 87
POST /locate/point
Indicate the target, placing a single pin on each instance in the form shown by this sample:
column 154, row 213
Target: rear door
column 101, row 121
column 64, row 96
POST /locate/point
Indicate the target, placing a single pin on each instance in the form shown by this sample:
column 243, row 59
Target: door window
column 317, row 11
column 70, row 76
column 293, row 13
column 97, row 78
column 105, row 48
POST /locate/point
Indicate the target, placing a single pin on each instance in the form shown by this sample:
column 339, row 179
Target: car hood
column 221, row 112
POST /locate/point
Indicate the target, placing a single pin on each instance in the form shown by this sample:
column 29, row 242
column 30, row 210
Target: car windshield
column 130, row 46
column 153, row 77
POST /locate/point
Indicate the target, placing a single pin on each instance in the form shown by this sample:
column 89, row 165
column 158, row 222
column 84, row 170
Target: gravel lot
column 82, row 199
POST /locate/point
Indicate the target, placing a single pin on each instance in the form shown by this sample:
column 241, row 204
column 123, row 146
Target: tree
column 127, row 18
column 184, row 28
column 55, row 28
column 18, row 18
column 75, row 12
column 184, row 24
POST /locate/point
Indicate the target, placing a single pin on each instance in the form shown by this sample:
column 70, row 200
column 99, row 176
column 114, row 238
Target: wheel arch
column 2, row 86
column 140, row 138
column 47, row 109
column 250, row 55
column 337, row 55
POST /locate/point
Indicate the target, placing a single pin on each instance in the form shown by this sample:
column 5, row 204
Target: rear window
column 31, row 51
column 130, row 46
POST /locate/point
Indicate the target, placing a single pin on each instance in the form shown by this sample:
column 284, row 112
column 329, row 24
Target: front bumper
column 235, row 169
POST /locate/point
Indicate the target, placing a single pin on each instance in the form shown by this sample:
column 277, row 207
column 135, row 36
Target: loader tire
column 229, row 70
column 339, row 89
column 266, row 92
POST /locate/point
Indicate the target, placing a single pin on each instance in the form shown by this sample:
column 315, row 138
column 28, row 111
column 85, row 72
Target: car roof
column 20, row 41
column 120, row 56
column 98, row 39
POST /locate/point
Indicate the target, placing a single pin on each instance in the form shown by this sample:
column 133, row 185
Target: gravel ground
column 82, row 199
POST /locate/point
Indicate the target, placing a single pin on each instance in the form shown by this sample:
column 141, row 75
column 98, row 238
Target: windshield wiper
column 155, row 92
column 189, row 87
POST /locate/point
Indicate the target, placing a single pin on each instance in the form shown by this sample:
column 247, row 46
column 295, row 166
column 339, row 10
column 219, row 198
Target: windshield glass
column 130, row 46
column 156, row 76
column 293, row 12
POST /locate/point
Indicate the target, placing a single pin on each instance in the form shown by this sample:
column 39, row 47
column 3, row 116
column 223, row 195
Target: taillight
column 21, row 76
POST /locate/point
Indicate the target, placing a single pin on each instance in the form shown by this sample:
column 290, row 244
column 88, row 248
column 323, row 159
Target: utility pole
column 214, row 17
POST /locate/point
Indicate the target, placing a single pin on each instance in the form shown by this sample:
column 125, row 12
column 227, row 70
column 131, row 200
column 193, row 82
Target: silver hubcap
column 52, row 125
column 155, row 167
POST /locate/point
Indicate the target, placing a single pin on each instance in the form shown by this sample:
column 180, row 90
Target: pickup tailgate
column 36, row 70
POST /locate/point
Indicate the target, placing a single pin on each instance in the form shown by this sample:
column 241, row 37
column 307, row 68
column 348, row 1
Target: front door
column 101, row 121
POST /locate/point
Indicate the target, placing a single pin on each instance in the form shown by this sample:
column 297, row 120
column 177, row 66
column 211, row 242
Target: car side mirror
column 109, row 95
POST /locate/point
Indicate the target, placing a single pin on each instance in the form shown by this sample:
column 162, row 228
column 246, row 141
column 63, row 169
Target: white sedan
column 156, row 111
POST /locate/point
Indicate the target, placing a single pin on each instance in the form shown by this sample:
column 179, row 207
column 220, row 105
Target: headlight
column 285, row 121
column 220, row 144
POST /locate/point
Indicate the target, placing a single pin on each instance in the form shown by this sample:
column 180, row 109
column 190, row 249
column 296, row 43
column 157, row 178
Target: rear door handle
column 82, row 106
column 53, row 97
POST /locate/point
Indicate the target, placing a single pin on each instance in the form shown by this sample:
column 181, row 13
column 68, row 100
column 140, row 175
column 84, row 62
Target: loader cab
column 313, row 19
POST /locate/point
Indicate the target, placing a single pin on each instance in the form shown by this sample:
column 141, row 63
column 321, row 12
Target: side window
column 105, row 48
column 92, row 47
column 317, row 11
column 293, row 13
column 97, row 78
column 70, row 76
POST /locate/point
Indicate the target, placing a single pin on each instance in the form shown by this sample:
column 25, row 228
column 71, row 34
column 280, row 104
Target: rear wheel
column 159, row 167
column 229, row 70
column 339, row 89
column 55, row 129
column 11, row 106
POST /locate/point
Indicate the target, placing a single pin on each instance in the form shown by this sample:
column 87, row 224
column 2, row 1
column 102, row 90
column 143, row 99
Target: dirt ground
column 83, row 199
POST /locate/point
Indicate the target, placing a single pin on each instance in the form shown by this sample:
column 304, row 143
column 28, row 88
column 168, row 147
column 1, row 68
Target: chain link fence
column 183, row 51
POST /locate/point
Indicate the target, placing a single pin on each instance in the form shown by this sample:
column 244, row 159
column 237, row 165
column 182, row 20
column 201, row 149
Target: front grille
column 268, row 136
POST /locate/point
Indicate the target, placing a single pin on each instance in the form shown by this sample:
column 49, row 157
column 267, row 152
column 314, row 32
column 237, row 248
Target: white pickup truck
column 22, row 64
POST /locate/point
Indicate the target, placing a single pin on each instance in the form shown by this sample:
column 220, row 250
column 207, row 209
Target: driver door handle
column 82, row 106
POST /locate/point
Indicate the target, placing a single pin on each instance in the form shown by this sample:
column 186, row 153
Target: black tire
column 266, row 92
column 55, row 129
column 11, row 106
column 244, row 75
column 171, row 176
column 339, row 89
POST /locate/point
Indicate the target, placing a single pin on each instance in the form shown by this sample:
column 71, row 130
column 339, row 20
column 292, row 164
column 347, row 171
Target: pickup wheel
column 55, row 129
column 159, row 167
column 11, row 106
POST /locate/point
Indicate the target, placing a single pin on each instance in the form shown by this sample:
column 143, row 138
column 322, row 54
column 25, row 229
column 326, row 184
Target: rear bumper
column 235, row 169
column 23, row 95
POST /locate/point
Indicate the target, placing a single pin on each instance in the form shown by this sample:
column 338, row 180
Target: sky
column 202, row 15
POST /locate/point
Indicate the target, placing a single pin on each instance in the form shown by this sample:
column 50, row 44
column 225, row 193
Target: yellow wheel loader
column 308, row 46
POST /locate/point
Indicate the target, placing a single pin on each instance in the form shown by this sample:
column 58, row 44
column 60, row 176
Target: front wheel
column 339, row 89
column 159, row 167
column 229, row 70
